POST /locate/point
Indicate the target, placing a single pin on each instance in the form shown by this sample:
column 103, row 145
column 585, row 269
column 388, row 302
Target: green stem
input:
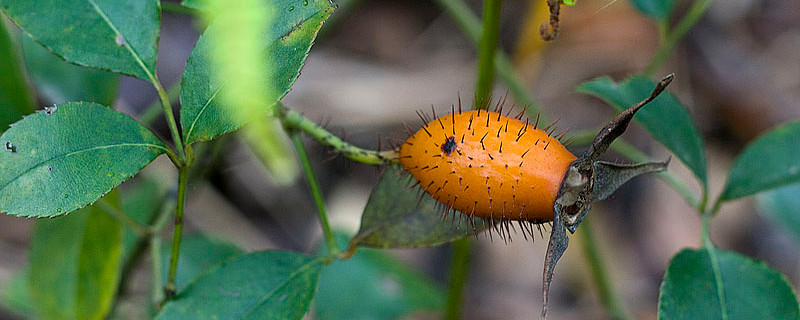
column 600, row 274
column 156, row 265
column 316, row 193
column 138, row 228
column 471, row 26
column 488, row 47
column 152, row 111
column 672, row 39
column 294, row 120
column 177, row 234
column 173, row 125
column 458, row 276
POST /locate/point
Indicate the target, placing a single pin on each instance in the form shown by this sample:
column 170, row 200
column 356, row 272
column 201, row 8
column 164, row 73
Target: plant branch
column 173, row 125
column 152, row 111
column 169, row 288
column 294, row 120
column 458, row 276
column 156, row 265
column 600, row 275
column 672, row 39
column 471, row 26
column 316, row 193
column 486, row 54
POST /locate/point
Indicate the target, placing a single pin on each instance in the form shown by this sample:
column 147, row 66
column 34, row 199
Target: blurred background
column 377, row 62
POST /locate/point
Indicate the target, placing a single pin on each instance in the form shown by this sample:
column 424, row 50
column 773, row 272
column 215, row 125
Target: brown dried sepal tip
column 587, row 180
column 549, row 30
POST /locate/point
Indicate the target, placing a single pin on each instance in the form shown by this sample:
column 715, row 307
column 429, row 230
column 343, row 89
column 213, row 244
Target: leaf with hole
column 198, row 253
column 287, row 41
column 261, row 285
column 782, row 207
column 58, row 81
column 74, row 264
column 121, row 36
column 65, row 157
column 665, row 118
column 718, row 284
column 16, row 99
column 400, row 216
column 656, row 9
column 769, row 162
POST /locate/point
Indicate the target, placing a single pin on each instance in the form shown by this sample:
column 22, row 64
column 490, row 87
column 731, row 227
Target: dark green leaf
column 665, row 118
column 194, row 4
column 16, row 98
column 373, row 285
column 782, row 206
column 396, row 217
column 121, row 36
column 59, row 82
column 260, row 285
column 750, row 289
column 198, row 254
column 61, row 159
column 656, row 9
column 74, row 264
column 769, row 162
column 287, row 41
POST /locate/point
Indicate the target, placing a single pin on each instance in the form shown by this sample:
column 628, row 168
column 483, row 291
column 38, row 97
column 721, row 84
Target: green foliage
column 198, row 254
column 261, row 285
column 718, row 284
column 74, row 264
column 781, row 206
column 769, row 162
column 16, row 98
column 58, row 81
column 107, row 34
column 286, row 42
column 395, row 217
column 665, row 118
column 46, row 151
column 373, row 285
column 656, row 9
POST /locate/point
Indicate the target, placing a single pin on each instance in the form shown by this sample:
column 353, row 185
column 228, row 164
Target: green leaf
column 750, row 289
column 665, row 118
column 198, row 254
column 373, row 285
column 121, row 36
column 16, row 98
column 287, row 40
column 396, row 217
column 782, row 206
column 74, row 264
column 63, row 158
column 59, row 82
column 656, row 9
column 259, row 285
column 769, row 162
column 195, row 4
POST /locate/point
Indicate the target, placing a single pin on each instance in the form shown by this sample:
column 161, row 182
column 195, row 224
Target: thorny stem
column 170, row 288
column 672, row 39
column 471, row 26
column 316, row 193
column 488, row 47
column 600, row 275
column 294, row 120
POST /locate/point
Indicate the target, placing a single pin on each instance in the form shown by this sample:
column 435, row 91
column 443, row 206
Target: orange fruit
column 488, row 165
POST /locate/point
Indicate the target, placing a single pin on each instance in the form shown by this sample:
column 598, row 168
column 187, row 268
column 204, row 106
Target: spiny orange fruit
column 488, row 165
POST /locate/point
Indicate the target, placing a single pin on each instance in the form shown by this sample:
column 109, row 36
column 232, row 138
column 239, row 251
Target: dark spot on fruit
column 449, row 145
